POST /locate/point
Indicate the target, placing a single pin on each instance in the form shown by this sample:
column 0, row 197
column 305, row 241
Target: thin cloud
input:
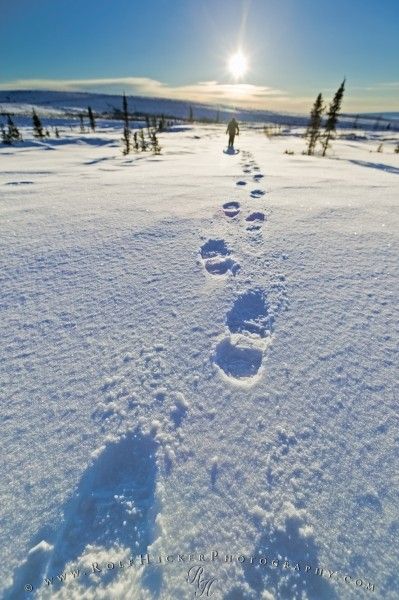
column 246, row 94
column 243, row 95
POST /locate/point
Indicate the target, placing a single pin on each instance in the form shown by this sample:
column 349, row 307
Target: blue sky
column 179, row 48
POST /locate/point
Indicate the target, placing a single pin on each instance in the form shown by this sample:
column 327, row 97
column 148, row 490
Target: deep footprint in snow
column 112, row 507
column 258, row 177
column 220, row 266
column 241, row 182
column 238, row 360
column 213, row 248
column 250, row 323
column 257, row 193
column 255, row 219
column 256, row 216
column 217, row 260
column 250, row 314
column 231, row 209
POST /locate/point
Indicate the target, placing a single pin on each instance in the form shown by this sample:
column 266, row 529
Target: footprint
column 217, row 260
column 241, row 182
column 257, row 193
column 255, row 219
column 238, row 360
column 246, row 170
column 258, row 176
column 250, row 314
column 240, row 355
column 256, row 216
column 220, row 266
column 213, row 248
column 19, row 183
column 286, row 540
column 112, row 507
column 231, row 209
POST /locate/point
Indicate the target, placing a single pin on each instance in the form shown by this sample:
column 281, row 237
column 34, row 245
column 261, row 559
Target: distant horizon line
column 247, row 96
column 204, row 104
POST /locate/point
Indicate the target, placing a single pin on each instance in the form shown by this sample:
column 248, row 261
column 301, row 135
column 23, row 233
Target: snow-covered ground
column 197, row 357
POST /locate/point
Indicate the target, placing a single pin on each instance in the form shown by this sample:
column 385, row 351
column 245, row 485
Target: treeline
column 140, row 141
column 10, row 132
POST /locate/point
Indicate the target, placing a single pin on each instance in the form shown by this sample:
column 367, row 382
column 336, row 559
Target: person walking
column 232, row 130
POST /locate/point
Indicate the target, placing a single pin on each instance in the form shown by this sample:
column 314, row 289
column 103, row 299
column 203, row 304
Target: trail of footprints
column 239, row 354
column 114, row 504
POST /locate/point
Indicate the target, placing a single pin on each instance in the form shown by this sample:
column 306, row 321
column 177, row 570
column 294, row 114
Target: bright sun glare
column 238, row 65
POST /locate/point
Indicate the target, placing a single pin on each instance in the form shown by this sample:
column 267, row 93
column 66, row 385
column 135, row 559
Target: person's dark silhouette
column 232, row 130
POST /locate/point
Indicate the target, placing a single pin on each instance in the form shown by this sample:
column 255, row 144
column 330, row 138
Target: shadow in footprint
column 257, row 193
column 256, row 216
column 241, row 182
column 282, row 582
column 255, row 219
column 231, row 209
column 250, row 314
column 220, row 266
column 112, row 506
column 237, row 360
column 213, row 248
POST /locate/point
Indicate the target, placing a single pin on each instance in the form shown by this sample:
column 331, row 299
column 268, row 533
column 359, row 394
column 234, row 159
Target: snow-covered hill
column 54, row 101
column 198, row 361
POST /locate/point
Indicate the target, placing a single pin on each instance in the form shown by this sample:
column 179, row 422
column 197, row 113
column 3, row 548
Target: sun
column 238, row 64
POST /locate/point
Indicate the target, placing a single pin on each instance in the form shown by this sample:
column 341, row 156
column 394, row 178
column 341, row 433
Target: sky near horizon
column 180, row 49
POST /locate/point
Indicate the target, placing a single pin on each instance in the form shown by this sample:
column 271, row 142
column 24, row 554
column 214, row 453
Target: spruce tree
column 57, row 133
column 332, row 117
column 355, row 122
column 136, row 141
column 126, row 130
column 5, row 138
column 37, row 126
column 91, row 118
column 190, row 114
column 12, row 130
column 82, row 125
column 143, row 143
column 156, row 148
column 161, row 125
column 313, row 130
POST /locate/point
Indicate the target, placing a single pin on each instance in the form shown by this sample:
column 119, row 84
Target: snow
column 192, row 366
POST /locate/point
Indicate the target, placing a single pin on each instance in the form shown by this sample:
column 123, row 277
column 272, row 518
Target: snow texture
column 190, row 364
